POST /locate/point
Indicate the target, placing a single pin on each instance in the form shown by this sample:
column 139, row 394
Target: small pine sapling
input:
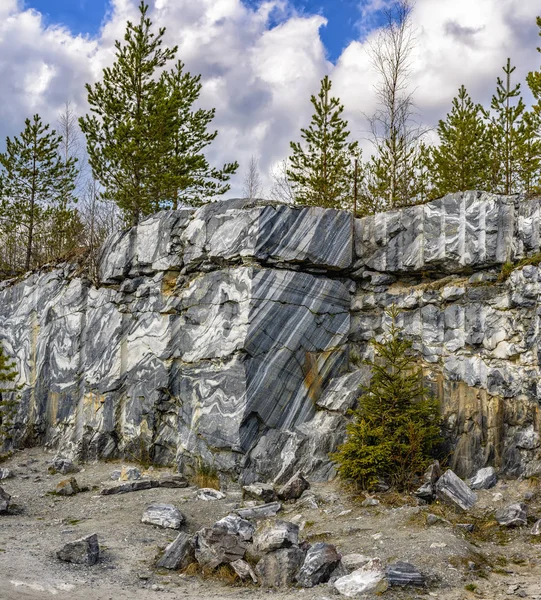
column 8, row 397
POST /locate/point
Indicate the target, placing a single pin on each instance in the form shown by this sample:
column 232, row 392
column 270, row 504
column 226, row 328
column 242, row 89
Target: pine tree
column 34, row 179
column 144, row 142
column 396, row 427
column 515, row 154
column 322, row 171
column 8, row 398
column 534, row 81
column 462, row 159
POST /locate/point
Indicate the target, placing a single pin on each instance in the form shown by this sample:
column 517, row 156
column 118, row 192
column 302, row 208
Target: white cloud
column 259, row 77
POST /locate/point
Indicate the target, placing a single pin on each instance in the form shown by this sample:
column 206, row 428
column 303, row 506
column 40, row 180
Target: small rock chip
column 276, row 535
column 4, row 500
column 260, row 491
column 451, row 489
column 264, row 511
column 209, row 494
column 115, row 475
column 514, row 515
column 403, row 573
column 179, row 554
column 536, row 529
column 243, row 570
column 163, row 515
column 67, row 487
column 130, row 474
column 294, row 488
column 85, row 551
column 370, row 502
column 321, row 560
column 279, row 568
column 484, row 479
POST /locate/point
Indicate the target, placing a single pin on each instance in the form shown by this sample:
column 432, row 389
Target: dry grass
column 224, row 573
column 205, row 476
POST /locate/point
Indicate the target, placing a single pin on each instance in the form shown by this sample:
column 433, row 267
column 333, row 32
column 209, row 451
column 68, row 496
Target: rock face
column 231, row 335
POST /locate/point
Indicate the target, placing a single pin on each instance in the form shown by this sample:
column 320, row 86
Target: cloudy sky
column 260, row 60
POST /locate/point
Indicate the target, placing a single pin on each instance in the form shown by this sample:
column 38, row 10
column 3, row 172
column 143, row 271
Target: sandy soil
column 491, row 563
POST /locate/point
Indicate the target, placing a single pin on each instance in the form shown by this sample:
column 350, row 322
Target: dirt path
column 491, row 563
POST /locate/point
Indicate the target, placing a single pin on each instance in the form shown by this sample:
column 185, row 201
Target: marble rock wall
column 233, row 335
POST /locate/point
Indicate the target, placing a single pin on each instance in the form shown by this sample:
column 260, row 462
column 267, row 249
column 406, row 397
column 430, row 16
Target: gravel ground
column 492, row 563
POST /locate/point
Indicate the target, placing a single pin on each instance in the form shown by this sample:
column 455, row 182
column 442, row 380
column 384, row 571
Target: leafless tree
column 282, row 190
column 252, row 182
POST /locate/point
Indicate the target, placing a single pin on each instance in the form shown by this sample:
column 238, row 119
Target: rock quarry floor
column 492, row 562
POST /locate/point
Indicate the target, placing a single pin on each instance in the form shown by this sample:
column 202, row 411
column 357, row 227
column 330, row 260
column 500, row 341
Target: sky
column 260, row 60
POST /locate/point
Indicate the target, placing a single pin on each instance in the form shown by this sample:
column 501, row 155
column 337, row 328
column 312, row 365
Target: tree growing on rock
column 396, row 427
column 322, row 170
column 534, row 81
column 144, row 140
column 8, row 397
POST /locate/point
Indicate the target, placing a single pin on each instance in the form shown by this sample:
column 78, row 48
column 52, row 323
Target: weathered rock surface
column 514, row 515
column 4, row 500
column 130, row 474
column 451, row 489
column 163, row 515
column 403, row 574
column 279, row 568
column 178, row 554
column 225, row 542
column 85, row 551
column 484, row 479
column 276, row 535
column 175, row 353
column 321, row 560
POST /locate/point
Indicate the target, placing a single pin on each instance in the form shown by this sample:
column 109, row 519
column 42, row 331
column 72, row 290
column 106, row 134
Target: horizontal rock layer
column 233, row 334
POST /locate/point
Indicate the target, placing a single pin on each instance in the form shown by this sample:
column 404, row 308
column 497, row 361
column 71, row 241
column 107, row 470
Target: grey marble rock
column 433, row 473
column 209, row 494
column 484, row 479
column 426, row 492
column 4, row 500
column 275, row 535
column 367, row 579
column 224, row 542
column 244, row 570
column 135, row 486
column 452, row 490
column 178, row 554
column 173, row 481
column 84, row 551
column 320, row 561
column 513, row 515
column 63, row 465
column 260, row 491
column 163, row 515
column 536, row 529
column 403, row 574
column 278, row 569
column 236, row 525
column 263, row 511
column 294, row 488
column 67, row 487
column 5, row 474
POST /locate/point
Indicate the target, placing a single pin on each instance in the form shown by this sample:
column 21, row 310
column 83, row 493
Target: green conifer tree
column 143, row 141
column 322, row 171
column 396, row 428
column 534, row 81
column 462, row 160
column 8, row 398
column 515, row 154
column 34, row 180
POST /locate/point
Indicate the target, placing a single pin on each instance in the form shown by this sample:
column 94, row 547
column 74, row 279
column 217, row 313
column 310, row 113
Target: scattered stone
column 370, row 578
column 236, row 525
column 63, row 465
column 173, row 481
column 272, row 536
column 130, row 474
column 243, row 570
column 536, row 529
column 497, row 497
column 179, row 554
column 484, row 479
column 403, row 573
column 294, row 488
column 163, row 515
column 85, row 551
column 279, row 568
column 438, row 545
column 451, row 489
column 208, row 494
column 260, row 491
column 115, row 475
column 436, row 520
column 5, row 474
column 345, row 512
column 308, row 499
column 264, row 511
column 354, row 561
column 469, row 527
column 4, row 500
column 225, row 542
column 426, row 492
column 67, row 487
column 433, row 473
column 321, row 560
column 370, row 502
column 514, row 515
column 134, row 486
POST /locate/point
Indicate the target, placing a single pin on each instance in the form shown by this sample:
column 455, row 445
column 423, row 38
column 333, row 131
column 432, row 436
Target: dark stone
column 179, row 554
column 260, row 512
column 321, row 560
column 426, row 492
column 63, row 465
column 173, row 481
column 514, row 515
column 279, row 568
column 225, row 542
column 403, row 573
column 452, row 490
column 132, row 486
column 4, row 500
column 85, row 551
column 260, row 491
column 294, row 488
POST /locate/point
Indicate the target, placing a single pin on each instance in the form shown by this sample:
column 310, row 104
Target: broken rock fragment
column 260, row 491
column 179, row 554
column 278, row 569
column 484, row 479
column 452, row 490
column 370, row 578
column 514, row 515
column 264, row 511
column 85, row 551
column 67, row 487
column 4, row 500
column 163, row 515
column 321, row 560
column 294, row 488
column 403, row 573
column 276, row 535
